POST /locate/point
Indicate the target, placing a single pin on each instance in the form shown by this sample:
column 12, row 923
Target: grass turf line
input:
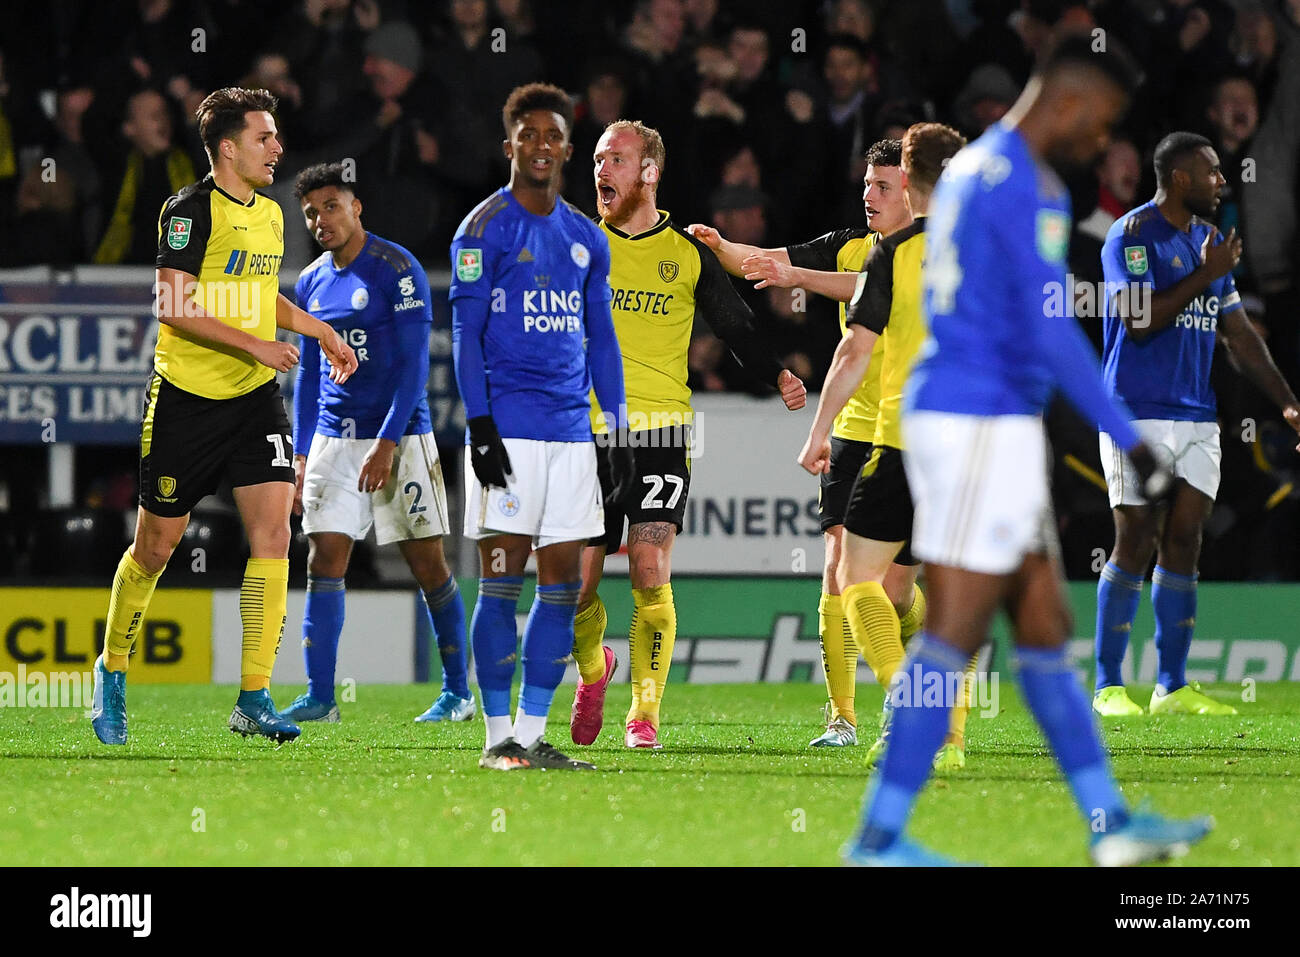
column 736, row 785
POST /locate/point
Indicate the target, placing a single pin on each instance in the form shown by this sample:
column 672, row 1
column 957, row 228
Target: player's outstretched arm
column 1252, row 359
column 174, row 306
column 343, row 361
column 765, row 270
column 732, row 255
column 852, row 358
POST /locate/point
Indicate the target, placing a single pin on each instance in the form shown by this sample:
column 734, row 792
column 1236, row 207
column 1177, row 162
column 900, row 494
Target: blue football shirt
column 368, row 302
column 1166, row 375
column 994, row 278
column 537, row 274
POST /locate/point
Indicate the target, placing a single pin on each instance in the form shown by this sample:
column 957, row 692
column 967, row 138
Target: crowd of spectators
column 766, row 106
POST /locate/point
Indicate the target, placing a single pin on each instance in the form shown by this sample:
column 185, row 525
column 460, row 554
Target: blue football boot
column 255, row 714
column 307, row 708
column 450, row 707
column 108, row 707
column 1145, row 837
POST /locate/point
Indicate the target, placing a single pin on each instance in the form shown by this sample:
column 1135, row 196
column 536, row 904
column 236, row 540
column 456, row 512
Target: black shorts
column 880, row 507
column 188, row 444
column 663, row 479
column 847, row 458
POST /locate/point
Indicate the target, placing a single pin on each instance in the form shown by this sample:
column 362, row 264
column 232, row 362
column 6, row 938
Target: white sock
column 528, row 728
column 498, row 729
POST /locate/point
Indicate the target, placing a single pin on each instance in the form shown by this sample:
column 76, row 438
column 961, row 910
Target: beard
column 1202, row 206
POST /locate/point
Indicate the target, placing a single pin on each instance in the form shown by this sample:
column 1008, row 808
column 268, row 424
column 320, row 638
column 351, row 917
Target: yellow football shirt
column 889, row 303
column 659, row 279
column 233, row 250
column 845, row 250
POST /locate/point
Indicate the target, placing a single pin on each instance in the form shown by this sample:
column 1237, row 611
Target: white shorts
column 980, row 486
column 1192, row 449
column 412, row 505
column 553, row 494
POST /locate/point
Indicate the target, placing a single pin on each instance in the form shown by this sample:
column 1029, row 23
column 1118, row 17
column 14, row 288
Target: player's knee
column 649, row 571
column 270, row 542
column 153, row 552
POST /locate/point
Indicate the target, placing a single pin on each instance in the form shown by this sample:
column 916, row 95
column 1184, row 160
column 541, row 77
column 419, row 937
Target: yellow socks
column 911, row 623
column 650, row 640
column 960, row 710
column 132, row 589
column 262, row 600
column 875, row 628
column 588, row 637
column 839, row 657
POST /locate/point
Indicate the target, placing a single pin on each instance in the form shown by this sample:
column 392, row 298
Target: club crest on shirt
column 580, row 255
column 509, row 505
column 667, row 270
column 275, row 228
column 1135, row 260
column 360, row 298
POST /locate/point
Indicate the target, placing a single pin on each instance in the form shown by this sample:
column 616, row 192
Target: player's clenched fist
column 815, row 456
column 487, row 453
column 280, row 356
column 343, row 361
column 793, row 392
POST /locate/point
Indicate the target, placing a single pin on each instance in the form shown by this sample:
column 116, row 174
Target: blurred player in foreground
column 878, row 520
column 1158, row 360
column 661, row 278
column 364, row 453
column 829, row 265
column 977, row 454
column 213, row 408
column 531, row 285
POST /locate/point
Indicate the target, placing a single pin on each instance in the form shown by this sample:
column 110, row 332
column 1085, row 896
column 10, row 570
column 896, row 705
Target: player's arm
column 174, row 305
column 848, row 367
column 470, row 294
column 342, row 360
column 1253, row 360
column 767, row 271
column 1166, row 304
column 733, row 322
column 306, row 408
column 730, row 254
column 409, row 377
column 605, row 366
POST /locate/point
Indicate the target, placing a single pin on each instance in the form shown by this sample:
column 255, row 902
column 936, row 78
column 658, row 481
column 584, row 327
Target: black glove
column 487, row 453
column 622, row 467
column 1157, row 480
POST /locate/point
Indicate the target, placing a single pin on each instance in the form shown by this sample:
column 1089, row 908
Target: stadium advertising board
column 60, row 630
column 751, row 508
column 73, row 363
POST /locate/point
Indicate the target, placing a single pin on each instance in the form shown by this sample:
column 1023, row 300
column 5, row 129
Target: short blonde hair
column 652, row 144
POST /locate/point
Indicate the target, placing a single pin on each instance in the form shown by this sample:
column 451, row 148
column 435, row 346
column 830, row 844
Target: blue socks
column 1118, row 595
column 1174, row 598
column 496, row 641
column 917, row 731
column 1055, row 696
column 548, row 643
column 448, row 616
column 322, row 622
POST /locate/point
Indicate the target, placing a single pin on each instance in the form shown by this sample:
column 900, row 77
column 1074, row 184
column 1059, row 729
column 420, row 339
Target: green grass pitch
column 736, row 785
